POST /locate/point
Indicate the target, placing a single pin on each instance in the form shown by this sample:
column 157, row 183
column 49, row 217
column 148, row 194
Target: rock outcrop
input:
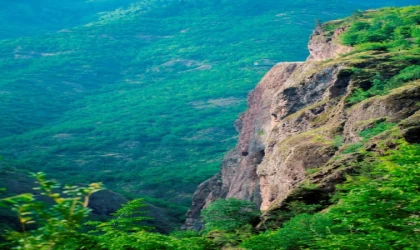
column 323, row 47
column 295, row 114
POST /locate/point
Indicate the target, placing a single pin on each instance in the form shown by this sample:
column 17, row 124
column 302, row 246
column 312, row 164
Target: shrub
column 357, row 96
column 381, row 86
column 410, row 73
column 385, row 29
column 54, row 223
column 229, row 214
column 366, row 135
column 376, row 130
column 338, row 141
column 379, row 211
column 299, row 233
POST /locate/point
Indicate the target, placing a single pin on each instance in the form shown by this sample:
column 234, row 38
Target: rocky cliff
column 298, row 122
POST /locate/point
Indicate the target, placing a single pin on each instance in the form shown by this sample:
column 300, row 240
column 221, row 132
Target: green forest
column 140, row 97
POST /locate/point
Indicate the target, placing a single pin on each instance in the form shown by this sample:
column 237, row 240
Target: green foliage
column 182, row 234
column 377, row 88
column 375, row 130
column 60, row 225
column 299, row 207
column 125, row 230
column 138, row 98
column 338, row 141
column 382, row 86
column 55, row 222
column 410, row 73
column 229, row 214
column 175, row 210
column 29, row 18
column 386, row 29
column 367, row 134
column 292, row 209
column 376, row 210
column 358, row 95
column 379, row 211
column 127, row 219
column 299, row 233
column 230, row 239
column 311, row 170
column 352, row 148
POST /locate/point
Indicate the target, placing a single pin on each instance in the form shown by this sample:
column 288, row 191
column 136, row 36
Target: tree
column 298, row 233
column 59, row 225
column 380, row 209
column 229, row 214
column 54, row 223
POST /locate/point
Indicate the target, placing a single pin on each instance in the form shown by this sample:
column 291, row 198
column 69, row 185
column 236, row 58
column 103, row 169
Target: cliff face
column 294, row 116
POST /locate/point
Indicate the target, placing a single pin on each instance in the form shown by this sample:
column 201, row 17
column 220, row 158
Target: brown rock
column 323, row 47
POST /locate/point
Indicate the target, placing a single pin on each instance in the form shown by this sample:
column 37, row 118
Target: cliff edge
column 301, row 120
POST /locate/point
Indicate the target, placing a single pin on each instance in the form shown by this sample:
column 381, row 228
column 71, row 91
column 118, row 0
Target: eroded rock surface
column 323, row 47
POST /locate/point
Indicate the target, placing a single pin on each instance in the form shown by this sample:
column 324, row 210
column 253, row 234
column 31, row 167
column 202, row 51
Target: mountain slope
column 143, row 98
column 34, row 17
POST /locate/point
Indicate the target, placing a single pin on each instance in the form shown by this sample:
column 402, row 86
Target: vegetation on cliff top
column 395, row 31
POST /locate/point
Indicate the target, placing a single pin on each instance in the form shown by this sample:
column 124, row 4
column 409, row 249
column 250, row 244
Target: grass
column 321, row 136
column 366, row 135
column 311, row 171
column 338, row 141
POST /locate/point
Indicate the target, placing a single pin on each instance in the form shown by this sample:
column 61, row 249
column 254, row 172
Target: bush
column 382, row 30
column 382, row 86
column 299, row 233
column 366, row 135
column 54, row 223
column 410, row 73
column 379, row 211
column 229, row 214
column 357, row 96
column 376, row 130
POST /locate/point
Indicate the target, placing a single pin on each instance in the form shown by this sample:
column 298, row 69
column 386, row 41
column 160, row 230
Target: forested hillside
column 143, row 97
column 34, row 17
